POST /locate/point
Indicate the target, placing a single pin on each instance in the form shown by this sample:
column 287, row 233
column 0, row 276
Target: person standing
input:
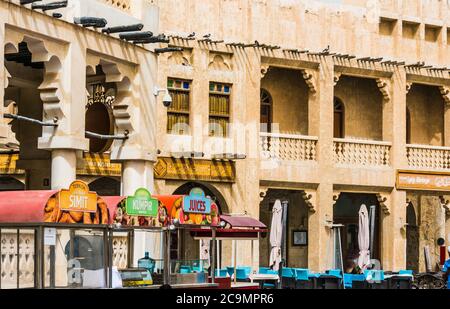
column 446, row 269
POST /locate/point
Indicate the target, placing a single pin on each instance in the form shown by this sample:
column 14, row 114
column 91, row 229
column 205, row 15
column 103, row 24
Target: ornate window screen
column 178, row 112
column 219, row 109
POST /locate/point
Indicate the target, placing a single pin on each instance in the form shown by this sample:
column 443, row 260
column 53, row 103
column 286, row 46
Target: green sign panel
column 142, row 204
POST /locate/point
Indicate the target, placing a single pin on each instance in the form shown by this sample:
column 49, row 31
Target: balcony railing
column 349, row 152
column 288, row 147
column 428, row 157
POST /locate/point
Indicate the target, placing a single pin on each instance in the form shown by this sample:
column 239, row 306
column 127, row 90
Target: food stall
column 186, row 213
column 236, row 228
column 53, row 239
column 136, row 241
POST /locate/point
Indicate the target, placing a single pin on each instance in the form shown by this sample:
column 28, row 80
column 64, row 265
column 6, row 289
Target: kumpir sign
column 141, row 204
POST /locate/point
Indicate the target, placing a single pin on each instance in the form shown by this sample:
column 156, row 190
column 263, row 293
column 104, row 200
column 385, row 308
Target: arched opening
column 183, row 246
column 8, row 183
column 24, row 85
column 339, row 119
column 266, row 111
column 99, row 113
column 412, row 239
column 105, row 186
column 346, row 212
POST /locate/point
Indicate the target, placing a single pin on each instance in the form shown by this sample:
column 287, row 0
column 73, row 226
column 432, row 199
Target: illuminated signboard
column 142, row 204
column 78, row 198
column 196, row 202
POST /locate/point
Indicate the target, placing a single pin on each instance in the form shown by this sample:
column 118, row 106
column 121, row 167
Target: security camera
column 167, row 100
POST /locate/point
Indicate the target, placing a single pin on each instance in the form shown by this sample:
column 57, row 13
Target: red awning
column 112, row 202
column 242, row 222
column 24, row 206
column 229, row 233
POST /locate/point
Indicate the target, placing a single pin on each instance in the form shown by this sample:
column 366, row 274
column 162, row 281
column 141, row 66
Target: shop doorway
column 182, row 245
column 412, row 239
column 346, row 212
column 106, row 186
column 296, row 229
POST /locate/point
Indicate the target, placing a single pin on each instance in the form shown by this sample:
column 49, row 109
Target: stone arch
column 119, row 78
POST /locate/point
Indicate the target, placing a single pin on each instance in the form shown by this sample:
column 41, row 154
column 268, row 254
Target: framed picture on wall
column 300, row 238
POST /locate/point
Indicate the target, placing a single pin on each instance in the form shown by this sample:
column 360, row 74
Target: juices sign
column 196, row 202
column 142, row 204
column 78, row 198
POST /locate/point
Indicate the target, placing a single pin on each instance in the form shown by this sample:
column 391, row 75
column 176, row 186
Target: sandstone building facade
column 324, row 106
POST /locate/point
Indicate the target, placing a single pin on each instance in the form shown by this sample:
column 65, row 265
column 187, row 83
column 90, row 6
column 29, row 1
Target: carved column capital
column 308, row 76
column 336, row 195
column 385, row 88
column 384, row 201
column 445, row 204
column 264, row 69
column 337, row 77
column 262, row 193
column 310, row 198
column 445, row 92
column 408, row 87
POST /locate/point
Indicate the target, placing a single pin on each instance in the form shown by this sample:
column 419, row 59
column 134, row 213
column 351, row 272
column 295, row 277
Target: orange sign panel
column 78, row 198
column 413, row 180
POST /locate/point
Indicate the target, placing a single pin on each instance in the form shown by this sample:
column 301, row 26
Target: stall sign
column 142, row 204
column 414, row 180
column 196, row 202
column 78, row 198
column 49, row 236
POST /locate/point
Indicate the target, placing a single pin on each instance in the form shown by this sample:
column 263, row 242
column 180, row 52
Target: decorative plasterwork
column 7, row 76
column 308, row 76
column 50, row 90
column 262, row 193
column 218, row 61
column 310, row 198
column 383, row 86
column 181, row 58
column 264, row 69
column 445, row 204
column 408, row 87
column 445, row 91
column 383, row 200
column 336, row 195
column 336, row 78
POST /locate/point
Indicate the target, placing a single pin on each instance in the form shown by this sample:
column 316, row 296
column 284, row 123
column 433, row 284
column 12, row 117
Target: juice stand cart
column 185, row 213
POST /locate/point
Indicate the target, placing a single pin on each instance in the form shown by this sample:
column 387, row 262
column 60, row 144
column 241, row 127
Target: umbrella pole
column 235, row 260
column 372, row 230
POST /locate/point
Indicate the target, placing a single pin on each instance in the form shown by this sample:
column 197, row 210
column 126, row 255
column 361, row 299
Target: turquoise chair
column 221, row 273
column 185, row 269
column 348, row 281
column 301, row 274
column 335, row 272
column 375, row 275
column 247, row 270
column 242, row 274
column 263, row 270
column 230, row 271
column 406, row 272
column 304, row 279
column 287, row 272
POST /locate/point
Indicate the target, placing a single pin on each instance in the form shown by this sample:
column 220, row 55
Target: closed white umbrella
column 363, row 238
column 276, row 234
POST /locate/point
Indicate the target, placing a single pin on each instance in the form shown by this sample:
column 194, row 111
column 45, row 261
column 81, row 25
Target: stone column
column 3, row 73
column 63, row 94
column 137, row 174
column 321, row 125
column 63, row 171
column 393, row 237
